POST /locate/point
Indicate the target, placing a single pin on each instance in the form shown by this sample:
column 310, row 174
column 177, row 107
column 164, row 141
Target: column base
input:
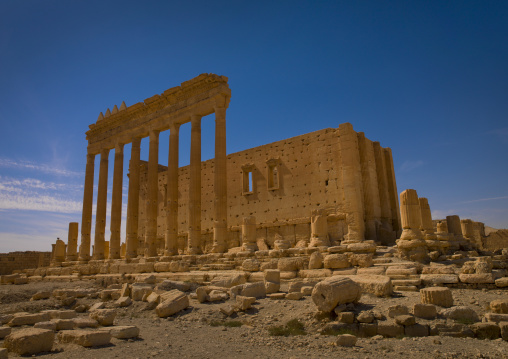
column 194, row 251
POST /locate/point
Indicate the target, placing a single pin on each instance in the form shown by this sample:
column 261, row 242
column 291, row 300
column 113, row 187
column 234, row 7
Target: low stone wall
column 496, row 240
column 12, row 261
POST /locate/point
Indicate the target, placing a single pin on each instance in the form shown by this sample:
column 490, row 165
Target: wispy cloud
column 45, row 168
column 408, row 166
column 485, row 199
column 39, row 203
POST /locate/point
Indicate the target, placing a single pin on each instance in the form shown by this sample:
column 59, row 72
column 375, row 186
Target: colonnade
column 172, row 230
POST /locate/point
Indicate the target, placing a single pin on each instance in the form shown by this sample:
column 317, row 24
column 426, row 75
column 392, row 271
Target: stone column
column 319, row 229
column 249, row 234
column 386, row 235
column 131, row 246
column 86, row 219
column 72, row 242
column 102, row 198
column 411, row 244
column 152, row 196
column 467, row 229
column 455, row 232
column 392, row 190
column 427, row 227
column 172, row 190
column 220, row 182
column 59, row 252
column 352, row 182
column 195, row 188
column 116, row 204
column 372, row 206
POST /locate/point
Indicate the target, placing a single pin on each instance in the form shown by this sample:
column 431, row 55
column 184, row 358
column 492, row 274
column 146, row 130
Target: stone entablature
column 174, row 106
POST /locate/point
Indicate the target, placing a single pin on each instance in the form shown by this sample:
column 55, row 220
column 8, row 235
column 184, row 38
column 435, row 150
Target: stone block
column 315, row 273
column 250, row 265
column 294, row 296
column 346, row 340
column 495, row 317
column 3, row 353
column 172, row 302
column 228, row 281
column 85, row 323
column 502, row 282
column 316, row 260
column 5, row 318
column 439, row 279
column 346, row 317
column 396, row 310
column 425, row 311
column 30, row 341
column 287, row 275
column 96, row 306
column 217, row 296
column 277, row 296
column 306, row 290
column 405, row 320
column 104, row 317
column 168, row 285
column 336, row 261
column 244, row 303
column 139, row 290
column 503, row 326
column 227, row 310
column 477, row 278
column 272, row 275
column 4, row 331
column 417, row 330
column 486, row 330
column 440, row 296
column 461, row 313
column 291, row 264
column 365, row 317
column 499, row 306
column 63, row 324
column 61, row 314
column 124, row 332
column 362, row 260
column 28, row 319
column 367, row 330
column 378, row 285
column 50, row 325
column 390, row 330
column 456, row 330
column 123, row 302
column 45, row 294
column 271, row 287
column 85, row 338
column 257, row 290
column 333, row 291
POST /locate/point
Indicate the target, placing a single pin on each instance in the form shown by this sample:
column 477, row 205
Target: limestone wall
column 496, row 240
column 307, row 176
column 23, row 260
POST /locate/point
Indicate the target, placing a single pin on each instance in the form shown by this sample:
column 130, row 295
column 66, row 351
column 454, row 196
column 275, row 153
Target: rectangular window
column 273, row 173
column 248, row 179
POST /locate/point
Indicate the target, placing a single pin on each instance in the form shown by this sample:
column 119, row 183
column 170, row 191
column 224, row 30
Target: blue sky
column 427, row 78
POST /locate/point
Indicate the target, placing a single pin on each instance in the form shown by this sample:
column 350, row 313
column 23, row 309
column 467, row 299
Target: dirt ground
column 199, row 331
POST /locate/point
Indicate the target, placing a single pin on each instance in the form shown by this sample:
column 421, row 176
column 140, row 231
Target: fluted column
column 116, row 204
column 72, row 242
column 102, row 197
column 172, row 190
column 392, row 190
column 195, row 188
column 352, row 182
column 220, row 182
column 86, row 216
column 131, row 245
column 152, row 196
column 410, row 215
column 426, row 221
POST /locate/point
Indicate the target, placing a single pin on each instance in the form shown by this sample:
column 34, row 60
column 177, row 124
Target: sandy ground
column 190, row 334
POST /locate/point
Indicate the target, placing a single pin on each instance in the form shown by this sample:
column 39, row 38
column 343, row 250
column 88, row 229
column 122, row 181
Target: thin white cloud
column 486, row 199
column 408, row 166
column 45, row 168
column 39, row 203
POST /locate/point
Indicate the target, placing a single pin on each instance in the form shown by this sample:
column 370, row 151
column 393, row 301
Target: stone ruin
column 319, row 212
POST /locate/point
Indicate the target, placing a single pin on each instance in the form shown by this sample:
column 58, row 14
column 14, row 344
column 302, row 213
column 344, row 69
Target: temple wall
column 308, row 176
column 12, row 261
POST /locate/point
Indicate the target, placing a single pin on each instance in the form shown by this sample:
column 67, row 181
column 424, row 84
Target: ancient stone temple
column 335, row 177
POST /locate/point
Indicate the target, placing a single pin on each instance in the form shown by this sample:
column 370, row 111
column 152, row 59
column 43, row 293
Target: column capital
column 119, row 147
column 154, row 135
column 90, row 157
column 221, row 101
column 174, row 126
column 104, row 153
column 136, row 141
column 196, row 119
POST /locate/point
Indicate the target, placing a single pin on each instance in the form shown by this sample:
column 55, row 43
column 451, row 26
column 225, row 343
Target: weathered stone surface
column 378, row 285
column 124, row 332
column 294, row 296
column 390, row 330
column 502, row 282
column 346, row 317
column 28, row 319
column 461, row 313
column 486, row 330
column 496, row 318
column 63, row 324
column 104, row 317
column 499, row 306
column 61, row 314
column 51, row 325
column 171, row 303
column 272, row 275
column 217, row 296
column 291, row 264
column 85, row 323
column 396, row 310
column 333, row 291
column 229, row 281
column 250, row 265
column 336, row 261
column 440, row 296
column 257, row 290
column 439, row 279
column 477, row 278
column 45, row 294
column 405, row 320
column 168, row 285
column 29, row 341
column 425, row 311
column 271, row 287
column 346, row 340
column 244, row 303
column 123, row 302
column 5, row 318
column 416, row 330
column 85, row 338
column 456, row 330
column 316, row 260
column 504, row 330
column 3, row 353
column 367, row 330
column 4, row 331
column 138, row 291
column 365, row 317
